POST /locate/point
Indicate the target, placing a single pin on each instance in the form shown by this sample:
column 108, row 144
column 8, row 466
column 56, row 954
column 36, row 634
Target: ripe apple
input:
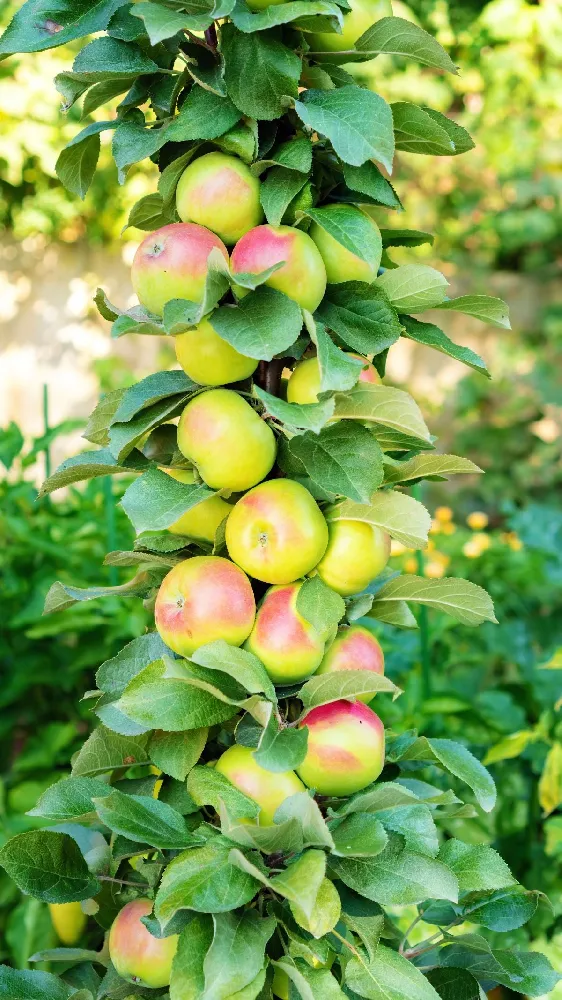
column 232, row 447
column 202, row 599
column 210, row 360
column 354, row 648
column 303, row 275
column 304, row 384
column 269, row 790
column 357, row 552
column 202, row 521
column 362, row 15
column 277, row 532
column 341, row 264
column 345, row 748
column 69, row 921
column 137, row 955
column 172, row 264
column 287, row 645
column 220, row 192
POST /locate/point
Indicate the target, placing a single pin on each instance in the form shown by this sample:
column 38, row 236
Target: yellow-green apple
column 345, row 748
column 357, row 552
column 202, row 599
column 341, row 264
column 304, row 383
column 269, row 790
column 136, row 954
column 232, row 447
column 69, row 921
column 277, row 532
column 362, row 15
column 210, row 360
column 172, row 264
column 202, row 521
column 302, row 276
column 354, row 648
column 289, row 647
column 220, row 192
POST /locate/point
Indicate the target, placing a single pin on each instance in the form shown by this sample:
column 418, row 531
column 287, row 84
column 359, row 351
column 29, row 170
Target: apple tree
column 239, row 825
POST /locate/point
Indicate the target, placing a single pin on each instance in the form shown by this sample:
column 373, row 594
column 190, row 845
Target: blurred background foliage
column 497, row 215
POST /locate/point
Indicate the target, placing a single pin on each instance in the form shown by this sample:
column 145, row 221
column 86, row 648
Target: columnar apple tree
column 238, row 824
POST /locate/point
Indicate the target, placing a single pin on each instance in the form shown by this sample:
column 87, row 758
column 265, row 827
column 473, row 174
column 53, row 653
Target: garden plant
column 239, row 824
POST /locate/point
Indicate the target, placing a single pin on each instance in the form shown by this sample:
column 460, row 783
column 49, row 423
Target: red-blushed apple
column 362, row 15
column 220, row 192
column 289, row 647
column 202, row 599
column 345, row 748
column 136, row 954
column 210, row 360
column 277, row 532
column 341, row 264
column 267, row 788
column 172, row 264
column 354, row 648
column 202, row 521
column 357, row 552
column 232, row 447
column 303, row 275
column 69, row 921
column 304, row 383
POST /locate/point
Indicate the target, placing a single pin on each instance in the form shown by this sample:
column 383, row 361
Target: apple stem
column 269, row 375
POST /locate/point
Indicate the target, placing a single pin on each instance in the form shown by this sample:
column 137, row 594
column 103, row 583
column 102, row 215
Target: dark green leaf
column 23, row 984
column 320, row 605
column 343, row 458
column 357, row 122
column 144, row 819
column 296, row 416
column 368, row 180
column 361, row 315
column 454, row 984
column 432, row 336
column 278, row 190
column 398, row 37
column 352, row 229
column 388, row 976
column 203, row 115
column 203, row 879
column 105, row 751
column 260, row 72
column 177, row 753
column 397, row 876
column 69, row 799
column 156, row 500
column 263, row 324
column 211, row 788
column 48, row 866
column 157, row 699
column 77, row 163
column 33, row 27
column 281, row 749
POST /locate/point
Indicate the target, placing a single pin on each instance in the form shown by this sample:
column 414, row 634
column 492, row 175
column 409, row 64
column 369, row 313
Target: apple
column 277, row 532
column 69, row 921
column 268, row 789
column 232, row 447
column 341, row 264
column 345, row 748
column 303, row 275
column 220, row 192
column 136, row 954
column 304, row 383
column 289, row 647
column 202, row 521
column 172, row 264
column 357, row 552
column 362, row 15
column 354, row 648
column 210, row 360
column 257, row 5
column 202, row 599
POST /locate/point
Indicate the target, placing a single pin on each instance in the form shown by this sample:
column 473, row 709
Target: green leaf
column 392, row 413
column 279, row 749
column 484, row 307
column 211, row 788
column 388, row 976
column 109, row 58
column 417, row 132
column 48, row 866
column 285, row 837
column 344, row 459
column 476, row 866
column 203, row 115
column 283, row 13
column 33, row 28
column 240, row 664
column 413, row 287
column 415, row 823
column 530, row 972
column 90, row 464
column 203, row 879
column 279, row 187
column 504, row 910
column 320, row 605
column 296, row 416
column 397, row 876
column 161, row 22
column 304, row 808
column 464, row 601
column 398, row 37
column 144, row 819
column 431, row 336
column 188, row 978
column 360, row 835
column 301, row 880
column 123, row 437
column 428, row 466
column 155, row 500
column 263, row 324
column 166, row 696
column 361, row 315
column 11, row 443
column 338, row 370
column 325, row 688
column 150, row 390
column 382, row 796
column 295, row 154
column 454, row 758
column 352, row 229
column 114, row 674
column 405, row 238
column 61, row 595
column 148, row 213
column 69, row 799
column 368, row 181
column 237, row 953
column 357, row 122
column 455, row 984
column 400, row 515
column 311, row 984
column 260, row 72
column 460, row 138
column 105, row 751
column 325, row 914
column 23, row 984
column 176, row 753
column 76, row 164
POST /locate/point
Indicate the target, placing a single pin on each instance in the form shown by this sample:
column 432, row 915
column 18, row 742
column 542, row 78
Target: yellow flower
column 472, row 549
column 430, row 547
column 411, row 565
column 512, row 539
column 448, row 528
column 434, row 570
column 444, row 514
column 483, row 541
column 396, row 548
column 435, row 528
column 477, row 520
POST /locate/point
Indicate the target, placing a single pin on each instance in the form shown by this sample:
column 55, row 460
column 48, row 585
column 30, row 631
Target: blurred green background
column 497, row 216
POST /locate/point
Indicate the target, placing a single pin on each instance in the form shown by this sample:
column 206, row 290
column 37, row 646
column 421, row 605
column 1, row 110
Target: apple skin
column 221, row 193
column 341, row 264
column 232, row 447
column 137, row 955
column 69, row 921
column 268, row 789
column 354, row 648
column 302, row 277
column 357, row 552
column 345, row 748
column 202, row 599
column 287, row 645
column 362, row 15
column 172, row 264
column 202, row 521
column 277, row 532
column 304, row 384
column 210, row 360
